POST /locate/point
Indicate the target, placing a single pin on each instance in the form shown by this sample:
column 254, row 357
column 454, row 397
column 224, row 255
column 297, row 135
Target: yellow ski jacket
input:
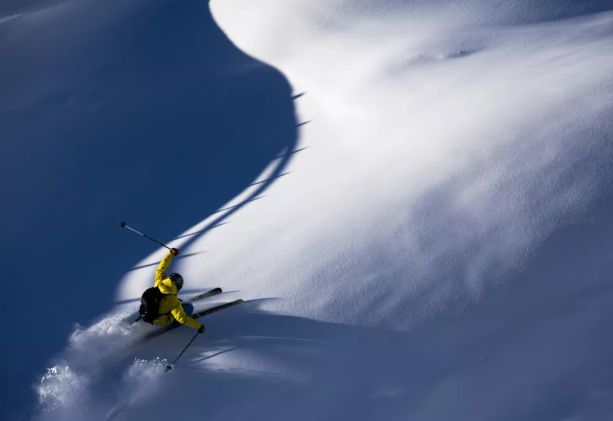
column 170, row 306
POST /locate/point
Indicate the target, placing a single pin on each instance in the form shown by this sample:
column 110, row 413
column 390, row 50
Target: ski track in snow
column 433, row 249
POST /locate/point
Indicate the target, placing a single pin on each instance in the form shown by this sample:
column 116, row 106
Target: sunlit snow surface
column 427, row 254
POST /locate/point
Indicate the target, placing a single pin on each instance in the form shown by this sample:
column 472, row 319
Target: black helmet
column 177, row 279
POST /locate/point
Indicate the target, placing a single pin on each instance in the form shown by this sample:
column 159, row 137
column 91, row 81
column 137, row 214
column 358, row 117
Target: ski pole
column 122, row 224
column 171, row 366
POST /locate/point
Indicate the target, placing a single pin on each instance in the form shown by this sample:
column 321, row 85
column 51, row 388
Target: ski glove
column 174, row 251
column 201, row 330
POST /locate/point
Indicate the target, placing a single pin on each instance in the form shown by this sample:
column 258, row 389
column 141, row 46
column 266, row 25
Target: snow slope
column 437, row 246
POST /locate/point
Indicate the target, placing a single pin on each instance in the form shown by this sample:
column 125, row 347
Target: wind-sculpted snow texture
column 436, row 247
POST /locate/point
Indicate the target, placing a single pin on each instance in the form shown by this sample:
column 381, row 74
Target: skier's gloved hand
column 201, row 330
column 174, row 251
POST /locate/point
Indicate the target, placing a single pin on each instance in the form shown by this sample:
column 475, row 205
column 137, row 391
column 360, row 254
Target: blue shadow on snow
column 114, row 110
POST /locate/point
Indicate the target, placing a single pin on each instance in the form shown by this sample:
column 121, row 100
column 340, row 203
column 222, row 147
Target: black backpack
column 150, row 304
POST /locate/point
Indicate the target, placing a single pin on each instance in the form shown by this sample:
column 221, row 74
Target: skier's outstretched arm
column 181, row 316
column 160, row 272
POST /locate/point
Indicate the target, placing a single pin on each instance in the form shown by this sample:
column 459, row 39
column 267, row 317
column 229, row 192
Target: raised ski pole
column 171, row 366
column 122, row 224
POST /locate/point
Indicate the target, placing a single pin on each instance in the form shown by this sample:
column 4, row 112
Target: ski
column 135, row 317
column 196, row 315
column 205, row 294
column 217, row 308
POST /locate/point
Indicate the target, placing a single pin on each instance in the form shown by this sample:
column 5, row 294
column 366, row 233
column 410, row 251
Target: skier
column 160, row 305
